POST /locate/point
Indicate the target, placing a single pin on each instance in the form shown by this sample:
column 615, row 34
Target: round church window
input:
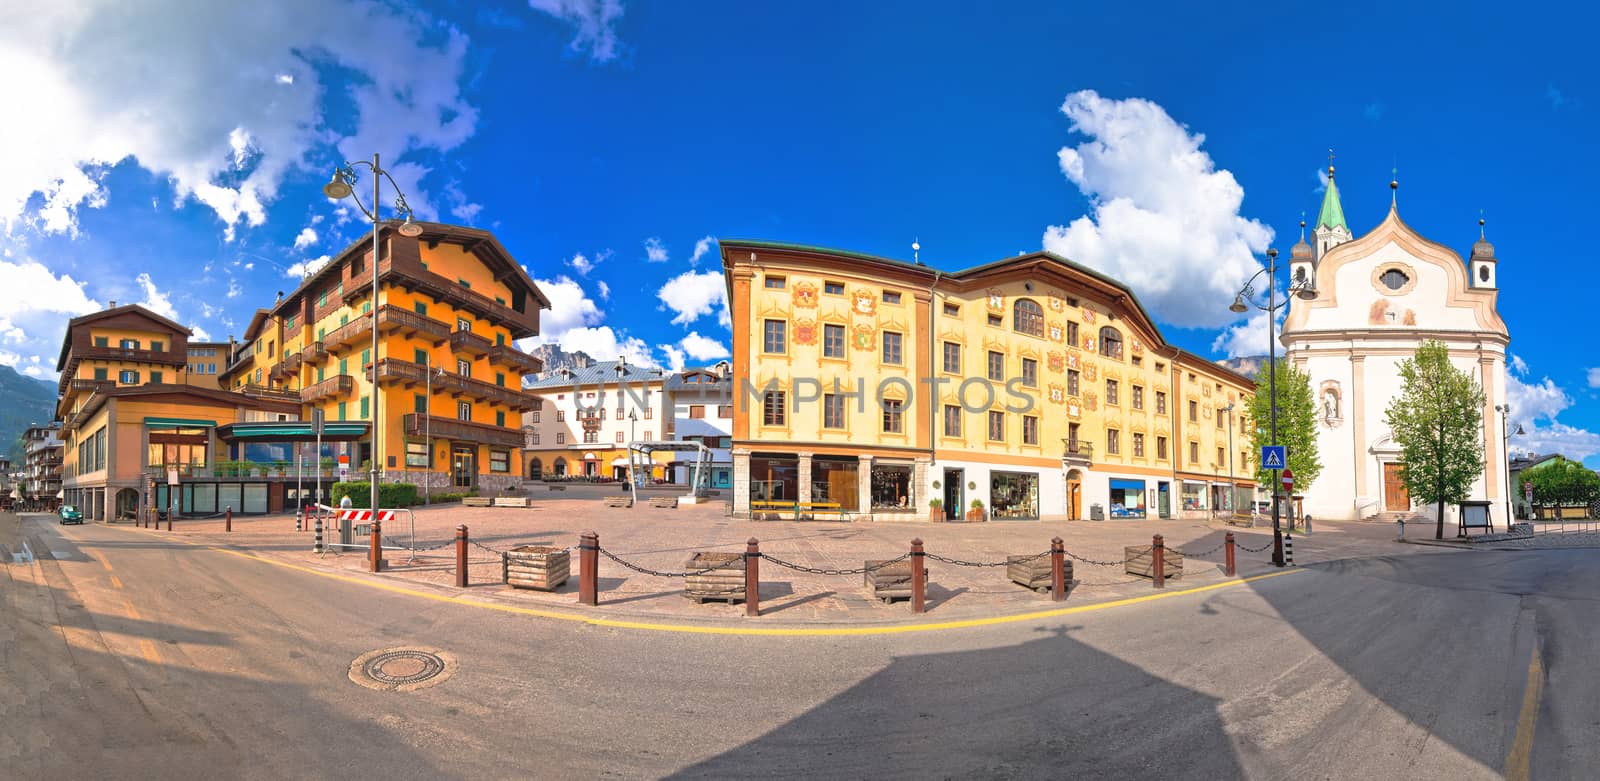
column 1394, row 279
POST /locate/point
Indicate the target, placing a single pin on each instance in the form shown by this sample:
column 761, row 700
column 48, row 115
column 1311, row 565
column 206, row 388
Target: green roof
column 1332, row 215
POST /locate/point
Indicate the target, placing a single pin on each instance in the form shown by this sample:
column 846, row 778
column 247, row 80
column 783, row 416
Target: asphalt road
column 132, row 656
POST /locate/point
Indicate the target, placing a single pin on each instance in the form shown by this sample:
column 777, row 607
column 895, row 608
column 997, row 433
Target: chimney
column 112, row 304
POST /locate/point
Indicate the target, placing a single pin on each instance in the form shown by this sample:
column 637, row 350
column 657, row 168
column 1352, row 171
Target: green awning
column 179, row 422
column 291, row 431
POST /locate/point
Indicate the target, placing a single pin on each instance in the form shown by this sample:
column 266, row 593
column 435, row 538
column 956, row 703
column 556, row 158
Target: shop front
column 1014, row 496
column 1128, row 498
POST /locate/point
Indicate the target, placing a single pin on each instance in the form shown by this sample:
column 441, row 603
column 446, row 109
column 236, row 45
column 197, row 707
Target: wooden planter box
column 1035, row 573
column 536, row 567
column 619, row 501
column 891, row 582
column 476, row 501
column 1141, row 561
column 725, row 582
column 935, row 514
column 974, row 515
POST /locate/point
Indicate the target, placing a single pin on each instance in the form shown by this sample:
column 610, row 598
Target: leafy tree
column 1297, row 424
column 1438, row 422
column 1563, row 483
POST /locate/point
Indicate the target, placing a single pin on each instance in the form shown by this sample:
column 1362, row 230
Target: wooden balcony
column 292, row 362
column 509, row 355
column 445, row 291
column 461, row 430
column 393, row 319
column 332, row 387
column 1080, row 451
column 415, row 374
column 469, row 343
column 314, row 352
column 267, row 392
column 89, row 386
column 346, row 335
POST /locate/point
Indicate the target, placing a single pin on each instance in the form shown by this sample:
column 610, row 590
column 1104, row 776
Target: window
column 500, row 418
column 1072, row 382
column 647, row 413
column 832, row 341
column 996, row 320
column 258, row 376
column 1110, row 342
column 322, row 299
column 891, row 348
column 1222, row 412
column 535, row 436
column 832, row 410
column 1221, row 456
column 890, row 487
column 157, row 346
column 591, row 437
column 1112, row 392
column 997, row 426
column 419, row 356
column 1030, row 372
column 776, row 282
column 417, row 454
column 101, row 341
column 773, row 339
column 1394, row 279
column 366, row 410
column 891, row 297
column 1027, row 317
column 155, row 377
column 697, row 410
column 1030, row 429
column 1161, row 402
column 499, row 339
column 952, row 310
column 133, row 344
column 1138, row 397
column 366, row 363
column 1138, row 445
column 1161, row 448
column 1194, row 453
column 463, row 367
column 1194, row 410
column 952, row 357
column 561, row 416
column 723, row 411
column 1113, row 441
column 421, row 308
column 833, row 288
column 1072, row 333
column 463, row 410
column 619, row 436
column 535, row 417
column 419, row 404
column 772, row 409
column 893, row 417
column 342, row 411
column 464, row 283
column 952, row 420
column 997, row 366
column 500, row 461
column 500, row 379
column 561, row 437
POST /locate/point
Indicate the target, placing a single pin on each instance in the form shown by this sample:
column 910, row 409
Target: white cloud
column 202, row 335
column 570, row 308
column 604, row 344
column 155, row 300
column 1518, row 365
column 306, row 268
column 701, row 247
column 1594, row 377
column 35, row 305
column 702, row 348
column 692, row 294
column 605, row 290
column 596, row 21
column 1163, row 219
column 460, row 207
column 248, row 111
column 654, row 250
column 1534, row 407
column 583, row 264
column 1249, row 338
column 307, row 237
column 233, row 289
column 1321, row 175
column 674, row 355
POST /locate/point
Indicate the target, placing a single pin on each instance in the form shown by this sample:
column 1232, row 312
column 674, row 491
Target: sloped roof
column 600, row 373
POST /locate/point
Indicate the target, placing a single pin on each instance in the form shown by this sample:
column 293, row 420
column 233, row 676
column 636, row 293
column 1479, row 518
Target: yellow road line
column 116, row 582
column 1520, row 759
column 132, row 612
column 833, row 631
column 102, row 559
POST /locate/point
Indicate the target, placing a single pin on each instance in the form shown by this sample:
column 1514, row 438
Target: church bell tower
column 1483, row 261
column 1331, row 230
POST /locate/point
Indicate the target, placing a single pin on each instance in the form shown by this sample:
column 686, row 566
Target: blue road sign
column 1272, row 456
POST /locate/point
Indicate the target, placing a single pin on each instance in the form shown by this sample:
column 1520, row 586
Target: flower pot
column 974, row 515
column 936, row 514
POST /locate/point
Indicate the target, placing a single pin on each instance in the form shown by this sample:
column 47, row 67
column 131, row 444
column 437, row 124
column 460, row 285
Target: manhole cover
column 402, row 669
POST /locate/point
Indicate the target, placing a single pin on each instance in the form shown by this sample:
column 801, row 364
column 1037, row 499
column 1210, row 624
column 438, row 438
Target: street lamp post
column 427, row 428
column 633, row 425
column 1306, row 291
column 1505, row 422
column 340, row 187
column 1233, row 493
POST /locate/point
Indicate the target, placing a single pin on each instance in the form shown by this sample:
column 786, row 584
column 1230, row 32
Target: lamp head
column 337, row 188
column 1519, row 432
column 1238, row 306
column 410, row 229
column 1307, row 292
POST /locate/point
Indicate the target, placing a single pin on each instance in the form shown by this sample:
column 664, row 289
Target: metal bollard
column 919, row 577
column 752, row 578
column 171, row 516
column 589, row 568
column 1158, row 561
column 300, row 519
column 1058, row 570
column 1288, row 550
column 1400, row 528
column 461, row 556
column 316, row 545
column 1228, row 568
column 227, row 520
column 377, row 544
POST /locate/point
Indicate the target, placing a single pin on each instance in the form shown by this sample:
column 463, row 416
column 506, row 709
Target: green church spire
column 1332, row 215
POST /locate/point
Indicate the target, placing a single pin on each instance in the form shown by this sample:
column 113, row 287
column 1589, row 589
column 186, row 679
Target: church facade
column 1379, row 296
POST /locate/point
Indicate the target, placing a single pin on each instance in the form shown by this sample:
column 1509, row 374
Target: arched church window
column 1483, row 273
column 1394, row 279
column 1300, row 275
column 1110, row 342
column 1027, row 317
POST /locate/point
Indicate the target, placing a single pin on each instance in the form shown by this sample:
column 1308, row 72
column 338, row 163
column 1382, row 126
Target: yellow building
column 1034, row 386
column 449, row 377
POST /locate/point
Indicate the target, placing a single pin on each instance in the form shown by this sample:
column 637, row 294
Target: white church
column 1378, row 297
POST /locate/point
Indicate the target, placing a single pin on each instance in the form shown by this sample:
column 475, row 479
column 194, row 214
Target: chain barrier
column 1117, row 563
column 1247, row 549
column 826, row 571
column 475, row 543
column 960, row 563
column 392, row 544
column 657, row 573
column 1199, row 555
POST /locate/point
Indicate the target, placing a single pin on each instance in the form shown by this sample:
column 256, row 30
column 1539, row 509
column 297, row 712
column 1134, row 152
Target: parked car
column 69, row 513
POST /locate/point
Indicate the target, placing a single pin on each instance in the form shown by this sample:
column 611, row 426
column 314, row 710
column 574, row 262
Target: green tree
column 1297, row 424
column 1563, row 483
column 1438, row 422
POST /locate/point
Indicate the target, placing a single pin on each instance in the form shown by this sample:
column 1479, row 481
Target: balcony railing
column 390, row 318
column 90, row 386
column 266, row 392
column 444, row 290
column 334, row 386
column 314, row 352
column 417, row 374
column 469, row 343
column 511, row 356
column 1078, row 450
column 466, row 431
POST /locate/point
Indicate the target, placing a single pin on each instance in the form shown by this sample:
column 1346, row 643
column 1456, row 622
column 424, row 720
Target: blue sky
column 176, row 155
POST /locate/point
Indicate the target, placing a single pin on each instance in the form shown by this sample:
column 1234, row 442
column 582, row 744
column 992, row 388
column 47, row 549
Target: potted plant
column 935, row 510
column 976, row 513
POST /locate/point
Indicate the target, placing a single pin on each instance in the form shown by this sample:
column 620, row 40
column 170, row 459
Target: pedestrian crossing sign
column 1272, row 456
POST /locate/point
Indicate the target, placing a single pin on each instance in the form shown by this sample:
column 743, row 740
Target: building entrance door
column 1074, row 496
column 462, row 467
column 1395, row 497
column 952, row 494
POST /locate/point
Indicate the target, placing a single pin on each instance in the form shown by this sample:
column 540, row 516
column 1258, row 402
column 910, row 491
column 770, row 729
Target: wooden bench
column 619, row 501
column 555, row 487
column 664, row 502
column 511, row 501
column 476, row 501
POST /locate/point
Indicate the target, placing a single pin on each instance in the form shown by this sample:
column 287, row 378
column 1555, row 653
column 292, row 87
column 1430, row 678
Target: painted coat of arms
column 1055, row 360
column 863, row 302
column 864, row 337
column 805, row 330
column 805, row 294
column 996, row 300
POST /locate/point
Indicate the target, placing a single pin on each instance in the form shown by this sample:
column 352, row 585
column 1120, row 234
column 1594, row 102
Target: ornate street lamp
column 1306, row 291
column 339, row 187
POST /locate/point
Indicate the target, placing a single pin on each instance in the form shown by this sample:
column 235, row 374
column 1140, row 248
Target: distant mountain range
column 1247, row 365
column 27, row 402
column 556, row 359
